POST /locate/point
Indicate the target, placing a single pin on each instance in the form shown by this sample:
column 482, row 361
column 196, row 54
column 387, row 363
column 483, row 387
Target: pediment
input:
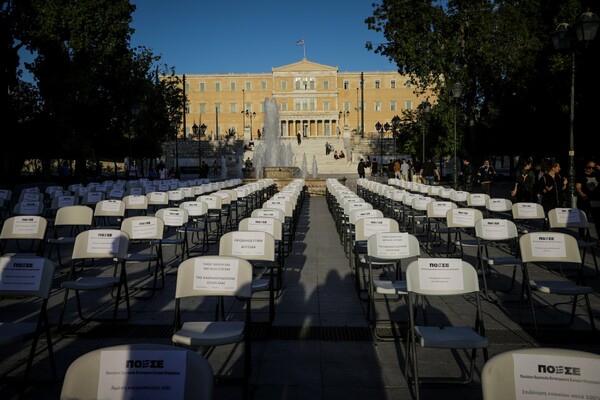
column 303, row 66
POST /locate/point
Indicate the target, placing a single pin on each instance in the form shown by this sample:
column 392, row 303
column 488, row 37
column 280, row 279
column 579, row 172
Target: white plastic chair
column 69, row 222
column 27, row 233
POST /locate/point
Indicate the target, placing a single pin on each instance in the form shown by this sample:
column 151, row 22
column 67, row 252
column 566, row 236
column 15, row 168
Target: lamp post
column 395, row 128
column 566, row 37
column 175, row 125
column 135, row 111
column 250, row 115
column 456, row 93
column 199, row 131
column 424, row 108
column 379, row 129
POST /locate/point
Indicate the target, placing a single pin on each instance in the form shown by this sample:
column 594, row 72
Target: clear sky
column 252, row 36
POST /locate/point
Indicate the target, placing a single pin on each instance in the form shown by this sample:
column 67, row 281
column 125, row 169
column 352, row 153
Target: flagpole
column 304, row 47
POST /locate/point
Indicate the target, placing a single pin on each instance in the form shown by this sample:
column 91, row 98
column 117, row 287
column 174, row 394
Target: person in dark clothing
column 466, row 175
column 361, row 168
column 485, row 175
column 551, row 186
column 374, row 167
column 587, row 186
column 525, row 181
column 430, row 172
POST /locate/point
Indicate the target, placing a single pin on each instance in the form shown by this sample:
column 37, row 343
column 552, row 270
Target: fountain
column 304, row 166
column 315, row 169
column 223, row 168
column 272, row 158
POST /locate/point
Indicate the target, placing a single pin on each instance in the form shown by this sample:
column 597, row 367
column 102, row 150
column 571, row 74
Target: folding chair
column 22, row 278
column 350, row 230
column 146, row 231
column 217, row 278
column 29, row 207
column 442, row 277
column 135, row 204
column 435, row 221
column 258, row 248
column 214, row 218
column 98, row 244
column 156, row 201
column 529, row 217
column 108, row 214
column 574, row 222
column 552, row 248
column 27, row 233
column 387, row 249
column 69, row 222
column 459, row 221
column 497, row 232
column 506, row 375
column 175, row 222
column 142, row 367
column 498, row 208
column 197, row 229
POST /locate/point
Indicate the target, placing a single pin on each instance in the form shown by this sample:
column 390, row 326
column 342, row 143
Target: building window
column 325, row 85
column 248, row 86
column 201, row 87
column 202, row 108
column 378, row 84
column 248, row 107
column 218, row 107
column 346, row 84
column 283, row 85
column 408, row 83
column 232, row 86
column 233, row 108
column 283, row 106
column 217, row 86
column 408, row 105
column 393, row 84
column 346, row 106
column 325, row 105
column 327, row 129
column 263, row 85
column 377, row 106
column 187, row 86
column 393, row 105
column 187, row 108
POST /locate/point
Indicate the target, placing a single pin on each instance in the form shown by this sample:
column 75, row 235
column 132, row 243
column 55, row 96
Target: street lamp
column 343, row 114
column 565, row 37
column 379, row 129
column 175, row 125
column 135, row 111
column 424, row 108
column 250, row 115
column 395, row 128
column 456, row 93
column 199, row 131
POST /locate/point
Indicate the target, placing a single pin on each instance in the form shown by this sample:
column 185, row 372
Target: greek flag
column 300, row 42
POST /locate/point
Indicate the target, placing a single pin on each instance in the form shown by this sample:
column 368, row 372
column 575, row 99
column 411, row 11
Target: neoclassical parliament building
column 313, row 99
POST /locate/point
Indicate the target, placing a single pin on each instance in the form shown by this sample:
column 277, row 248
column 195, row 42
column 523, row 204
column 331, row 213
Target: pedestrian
column 204, row 170
column 327, row 150
column 404, row 169
column 299, row 137
column 361, row 168
column 485, row 176
column 397, row 169
column 429, row 172
column 466, row 175
column 551, row 186
column 588, row 194
column 525, row 180
column 335, row 154
column 374, row 167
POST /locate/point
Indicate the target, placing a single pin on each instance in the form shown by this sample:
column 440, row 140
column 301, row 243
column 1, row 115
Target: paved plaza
column 320, row 345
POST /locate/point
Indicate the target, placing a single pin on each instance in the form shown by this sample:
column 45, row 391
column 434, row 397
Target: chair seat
column 141, row 257
column 502, row 261
column 260, row 285
column 209, row 333
column 390, row 287
column 170, row 241
column 586, row 244
column 91, row 283
column 560, row 287
column 467, row 242
column 462, row 337
column 11, row 332
column 62, row 240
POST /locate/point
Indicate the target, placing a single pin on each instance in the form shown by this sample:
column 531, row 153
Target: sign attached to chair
column 548, row 377
column 375, row 225
column 494, row 228
column 548, row 245
column 441, row 274
column 26, row 225
column 463, row 217
column 393, row 244
column 141, row 374
column 215, row 274
column 248, row 243
column 567, row 215
column 105, row 241
column 20, row 274
column 525, row 210
column 144, row 228
column 262, row 225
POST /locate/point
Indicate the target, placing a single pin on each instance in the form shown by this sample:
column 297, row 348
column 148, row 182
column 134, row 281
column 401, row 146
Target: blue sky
column 239, row 36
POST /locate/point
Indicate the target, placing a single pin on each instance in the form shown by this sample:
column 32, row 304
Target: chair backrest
column 438, row 209
column 63, row 201
column 549, row 247
column 29, row 207
column 441, row 276
column 158, row 199
column 284, row 205
column 195, row 208
column 249, row 245
column 74, row 216
column 477, row 199
column 136, row 202
column 214, row 276
column 365, row 227
column 213, row 202
column 493, row 229
column 101, row 243
column 463, row 217
column 355, row 215
column 506, row 375
column 191, row 375
column 270, row 225
column 26, row 276
column 498, row 205
column 110, row 208
column 526, row 210
column 392, row 246
column 173, row 216
column 24, row 227
column 565, row 218
column 143, row 227
column 269, row 212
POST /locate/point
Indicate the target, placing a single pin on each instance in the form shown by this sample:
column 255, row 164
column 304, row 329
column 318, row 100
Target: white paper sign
column 211, row 201
column 21, row 274
column 64, row 201
column 555, row 377
column 137, row 200
column 261, row 224
column 462, row 217
column 173, row 217
column 142, row 374
column 111, row 205
column 526, row 209
column 103, row 241
column 441, row 207
column 215, row 274
column 393, row 244
column 494, row 228
column 376, row 225
column 247, row 243
column 548, row 245
column 30, row 207
column 567, row 215
column 477, row 199
column 30, row 196
column 144, row 228
column 441, row 274
column 497, row 205
column 26, row 225
column 158, row 197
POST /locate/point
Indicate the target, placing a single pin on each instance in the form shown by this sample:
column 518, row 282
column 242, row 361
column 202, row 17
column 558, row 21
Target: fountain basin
column 281, row 172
